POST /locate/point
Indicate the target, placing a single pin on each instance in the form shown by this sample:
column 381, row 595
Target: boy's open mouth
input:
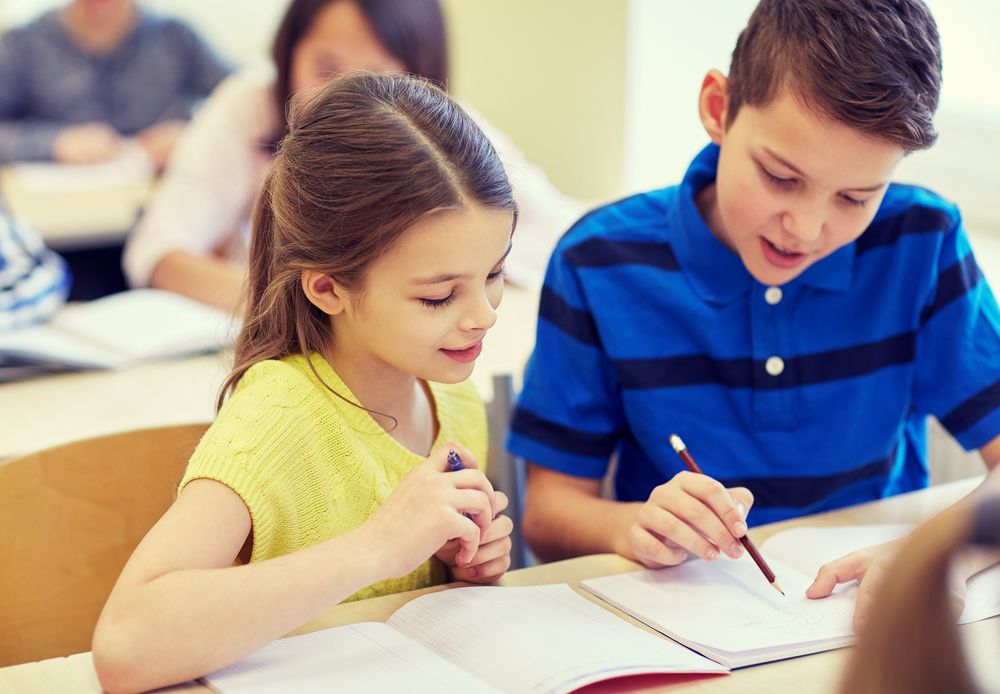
column 776, row 255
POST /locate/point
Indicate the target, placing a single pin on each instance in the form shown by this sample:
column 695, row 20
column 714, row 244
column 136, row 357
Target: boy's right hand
column 690, row 513
column 89, row 143
column 427, row 509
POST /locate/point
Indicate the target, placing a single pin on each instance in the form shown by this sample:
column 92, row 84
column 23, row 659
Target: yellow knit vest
column 310, row 466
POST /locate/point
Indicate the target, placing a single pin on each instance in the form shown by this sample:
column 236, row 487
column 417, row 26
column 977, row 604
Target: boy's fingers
column 718, row 499
column 677, row 531
column 650, row 550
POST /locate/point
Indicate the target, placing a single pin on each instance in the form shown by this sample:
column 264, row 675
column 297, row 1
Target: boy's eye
column 852, row 201
column 495, row 275
column 777, row 180
column 438, row 303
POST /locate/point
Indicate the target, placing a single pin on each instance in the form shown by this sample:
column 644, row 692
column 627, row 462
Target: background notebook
column 727, row 611
column 477, row 639
column 114, row 332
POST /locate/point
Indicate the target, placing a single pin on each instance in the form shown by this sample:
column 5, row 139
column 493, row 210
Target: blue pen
column 454, row 462
column 454, row 465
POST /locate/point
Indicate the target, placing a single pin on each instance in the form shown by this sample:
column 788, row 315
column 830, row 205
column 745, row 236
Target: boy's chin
column 771, row 276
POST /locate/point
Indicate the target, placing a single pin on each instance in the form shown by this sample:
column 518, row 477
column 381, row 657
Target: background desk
column 50, row 410
column 821, row 671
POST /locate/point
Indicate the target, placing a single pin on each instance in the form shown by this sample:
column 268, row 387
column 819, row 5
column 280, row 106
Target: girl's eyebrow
column 449, row 277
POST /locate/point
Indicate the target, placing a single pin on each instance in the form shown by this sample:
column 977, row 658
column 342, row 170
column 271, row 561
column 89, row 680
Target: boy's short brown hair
column 874, row 65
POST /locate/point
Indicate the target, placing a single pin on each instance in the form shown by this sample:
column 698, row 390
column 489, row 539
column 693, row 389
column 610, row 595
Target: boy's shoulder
column 907, row 210
column 640, row 218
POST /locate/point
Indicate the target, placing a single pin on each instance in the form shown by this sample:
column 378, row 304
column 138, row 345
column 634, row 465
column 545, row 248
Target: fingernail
column 736, row 551
column 742, row 509
column 740, row 528
column 712, row 554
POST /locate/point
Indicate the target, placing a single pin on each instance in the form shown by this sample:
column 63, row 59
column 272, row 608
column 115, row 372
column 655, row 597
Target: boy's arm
column 565, row 516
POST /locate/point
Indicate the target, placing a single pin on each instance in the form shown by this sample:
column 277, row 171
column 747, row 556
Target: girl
column 192, row 235
column 375, row 269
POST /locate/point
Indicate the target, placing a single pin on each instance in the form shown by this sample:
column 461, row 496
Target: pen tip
column 676, row 442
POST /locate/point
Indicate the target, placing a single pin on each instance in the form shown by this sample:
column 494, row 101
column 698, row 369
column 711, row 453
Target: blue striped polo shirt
column 813, row 395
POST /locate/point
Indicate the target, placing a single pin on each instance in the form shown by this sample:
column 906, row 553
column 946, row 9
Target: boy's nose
column 804, row 224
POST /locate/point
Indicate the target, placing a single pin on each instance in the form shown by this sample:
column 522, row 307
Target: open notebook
column 476, row 639
column 727, row 611
column 114, row 332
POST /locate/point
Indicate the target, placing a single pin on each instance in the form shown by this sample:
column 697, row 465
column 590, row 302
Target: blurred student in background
column 80, row 81
column 34, row 281
column 193, row 236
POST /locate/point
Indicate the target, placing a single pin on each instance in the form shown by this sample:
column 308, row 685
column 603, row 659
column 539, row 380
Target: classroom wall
column 552, row 76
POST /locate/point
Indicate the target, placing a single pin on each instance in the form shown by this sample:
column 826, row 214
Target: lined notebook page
column 538, row 639
column 729, row 606
column 366, row 657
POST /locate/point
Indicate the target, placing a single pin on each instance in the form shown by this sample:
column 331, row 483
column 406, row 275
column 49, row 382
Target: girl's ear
column 323, row 292
column 713, row 101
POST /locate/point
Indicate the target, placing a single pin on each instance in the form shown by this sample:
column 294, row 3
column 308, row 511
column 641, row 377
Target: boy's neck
column 99, row 30
column 707, row 203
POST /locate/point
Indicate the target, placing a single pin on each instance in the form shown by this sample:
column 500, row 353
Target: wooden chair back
column 70, row 517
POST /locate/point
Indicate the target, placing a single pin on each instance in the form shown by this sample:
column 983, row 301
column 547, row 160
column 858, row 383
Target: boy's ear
column 323, row 292
column 713, row 100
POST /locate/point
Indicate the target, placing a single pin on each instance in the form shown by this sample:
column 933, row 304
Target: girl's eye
column 777, row 180
column 852, row 201
column 438, row 303
column 495, row 275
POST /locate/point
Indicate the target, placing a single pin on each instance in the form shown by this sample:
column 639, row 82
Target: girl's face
column 340, row 40
column 430, row 299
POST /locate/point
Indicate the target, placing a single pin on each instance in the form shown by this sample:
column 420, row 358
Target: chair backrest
column 507, row 472
column 70, row 517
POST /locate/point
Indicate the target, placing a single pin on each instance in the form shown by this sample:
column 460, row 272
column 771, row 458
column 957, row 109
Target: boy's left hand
column 492, row 559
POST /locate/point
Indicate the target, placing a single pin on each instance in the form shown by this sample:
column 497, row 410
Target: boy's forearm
column 573, row 523
column 186, row 624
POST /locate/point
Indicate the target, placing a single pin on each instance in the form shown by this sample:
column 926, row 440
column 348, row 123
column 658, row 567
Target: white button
column 774, row 365
column 773, row 295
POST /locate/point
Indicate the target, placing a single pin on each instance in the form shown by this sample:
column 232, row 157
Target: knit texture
column 310, row 466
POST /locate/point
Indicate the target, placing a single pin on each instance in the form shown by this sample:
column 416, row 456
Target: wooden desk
column 51, row 410
column 820, row 671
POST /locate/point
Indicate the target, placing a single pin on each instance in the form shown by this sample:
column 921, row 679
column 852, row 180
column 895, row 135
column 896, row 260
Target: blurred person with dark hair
column 194, row 234
column 81, row 80
column 910, row 642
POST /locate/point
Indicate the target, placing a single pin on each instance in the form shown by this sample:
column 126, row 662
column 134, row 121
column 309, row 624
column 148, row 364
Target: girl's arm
column 180, row 609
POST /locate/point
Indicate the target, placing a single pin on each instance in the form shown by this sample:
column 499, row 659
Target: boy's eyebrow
column 784, row 162
column 448, row 277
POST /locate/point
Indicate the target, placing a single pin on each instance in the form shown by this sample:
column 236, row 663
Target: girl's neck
column 400, row 402
column 99, row 29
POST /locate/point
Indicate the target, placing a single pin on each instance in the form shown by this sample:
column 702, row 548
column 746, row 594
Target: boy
column 785, row 310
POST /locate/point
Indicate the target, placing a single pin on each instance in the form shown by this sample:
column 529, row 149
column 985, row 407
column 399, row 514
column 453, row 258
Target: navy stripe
column 572, row 321
column 822, row 367
column 953, row 283
column 972, row 410
column 917, row 220
column 562, row 437
column 802, row 492
column 602, row 252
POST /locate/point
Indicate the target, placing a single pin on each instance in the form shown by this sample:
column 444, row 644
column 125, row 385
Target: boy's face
column 792, row 186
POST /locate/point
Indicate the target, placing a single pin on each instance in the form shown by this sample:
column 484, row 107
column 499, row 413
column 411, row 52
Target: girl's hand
column 492, row 559
column 690, row 513
column 427, row 509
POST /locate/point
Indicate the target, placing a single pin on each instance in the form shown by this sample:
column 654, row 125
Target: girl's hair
column 412, row 30
column 366, row 157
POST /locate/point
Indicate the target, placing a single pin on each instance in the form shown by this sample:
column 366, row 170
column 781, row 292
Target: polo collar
column 717, row 273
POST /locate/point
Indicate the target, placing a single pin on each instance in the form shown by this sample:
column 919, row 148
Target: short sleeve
column 569, row 414
column 958, row 346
